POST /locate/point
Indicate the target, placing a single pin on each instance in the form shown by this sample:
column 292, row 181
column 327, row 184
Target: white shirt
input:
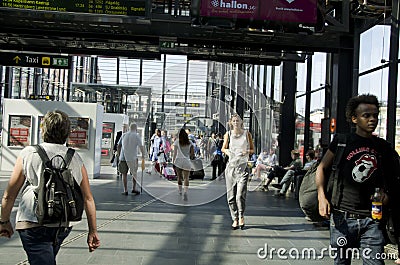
column 237, row 145
column 182, row 159
column 32, row 166
column 130, row 143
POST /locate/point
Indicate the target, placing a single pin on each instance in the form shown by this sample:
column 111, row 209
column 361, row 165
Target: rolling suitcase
column 169, row 172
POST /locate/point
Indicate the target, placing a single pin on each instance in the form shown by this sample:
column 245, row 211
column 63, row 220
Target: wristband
column 4, row 222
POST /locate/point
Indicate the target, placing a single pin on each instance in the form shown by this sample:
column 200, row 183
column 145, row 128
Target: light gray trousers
column 236, row 189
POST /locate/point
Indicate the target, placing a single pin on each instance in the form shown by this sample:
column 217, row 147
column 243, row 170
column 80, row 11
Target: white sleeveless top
column 238, row 145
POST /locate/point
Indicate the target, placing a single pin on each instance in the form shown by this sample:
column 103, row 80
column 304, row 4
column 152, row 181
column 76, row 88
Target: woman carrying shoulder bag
column 238, row 145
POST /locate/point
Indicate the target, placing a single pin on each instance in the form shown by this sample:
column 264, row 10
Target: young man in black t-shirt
column 365, row 166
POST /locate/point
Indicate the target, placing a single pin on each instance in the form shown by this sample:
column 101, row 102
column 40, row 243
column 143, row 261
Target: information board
column 113, row 7
column 107, row 140
column 19, row 130
column 79, row 135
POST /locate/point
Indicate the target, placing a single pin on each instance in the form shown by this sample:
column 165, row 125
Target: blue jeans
column 363, row 236
column 42, row 244
column 287, row 179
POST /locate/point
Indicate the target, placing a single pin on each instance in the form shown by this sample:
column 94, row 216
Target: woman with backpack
column 42, row 242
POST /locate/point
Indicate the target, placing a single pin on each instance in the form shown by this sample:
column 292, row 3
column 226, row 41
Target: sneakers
column 136, row 192
column 125, row 193
column 280, row 195
column 278, row 186
column 185, row 197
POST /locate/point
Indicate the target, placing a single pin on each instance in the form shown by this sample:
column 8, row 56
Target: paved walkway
column 159, row 228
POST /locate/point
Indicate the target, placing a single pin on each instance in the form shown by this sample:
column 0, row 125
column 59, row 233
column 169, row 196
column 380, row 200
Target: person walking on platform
column 42, row 242
column 183, row 153
column 369, row 169
column 238, row 145
column 128, row 148
column 157, row 145
column 217, row 162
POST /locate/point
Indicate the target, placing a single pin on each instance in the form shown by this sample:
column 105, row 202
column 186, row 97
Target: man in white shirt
column 128, row 149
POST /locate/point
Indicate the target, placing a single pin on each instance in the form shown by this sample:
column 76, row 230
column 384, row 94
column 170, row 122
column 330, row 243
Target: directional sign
column 184, row 115
column 168, row 44
column 187, row 104
column 35, row 60
column 41, row 97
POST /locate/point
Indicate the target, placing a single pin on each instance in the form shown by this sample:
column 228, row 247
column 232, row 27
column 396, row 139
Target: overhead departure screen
column 111, row 7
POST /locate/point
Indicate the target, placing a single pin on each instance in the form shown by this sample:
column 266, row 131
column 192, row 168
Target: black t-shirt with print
column 361, row 170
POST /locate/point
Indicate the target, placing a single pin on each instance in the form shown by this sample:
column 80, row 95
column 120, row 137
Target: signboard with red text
column 19, row 130
column 79, row 135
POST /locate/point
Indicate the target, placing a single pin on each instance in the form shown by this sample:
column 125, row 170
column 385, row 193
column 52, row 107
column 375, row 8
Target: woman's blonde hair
column 235, row 115
column 55, row 127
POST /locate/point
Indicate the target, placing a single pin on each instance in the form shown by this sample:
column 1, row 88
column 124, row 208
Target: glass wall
column 374, row 73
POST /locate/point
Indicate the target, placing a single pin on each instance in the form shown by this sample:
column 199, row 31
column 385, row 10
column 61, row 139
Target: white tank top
column 237, row 145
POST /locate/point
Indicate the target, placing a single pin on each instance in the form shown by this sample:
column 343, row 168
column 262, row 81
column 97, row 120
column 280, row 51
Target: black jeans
column 216, row 166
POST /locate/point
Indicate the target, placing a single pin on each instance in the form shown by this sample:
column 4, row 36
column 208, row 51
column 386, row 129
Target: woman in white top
column 238, row 145
column 183, row 153
column 42, row 242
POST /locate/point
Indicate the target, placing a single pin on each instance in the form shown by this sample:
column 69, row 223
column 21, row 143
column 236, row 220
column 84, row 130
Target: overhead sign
column 187, row 104
column 41, row 97
column 168, row 44
column 184, row 115
column 297, row 11
column 35, row 60
column 114, row 7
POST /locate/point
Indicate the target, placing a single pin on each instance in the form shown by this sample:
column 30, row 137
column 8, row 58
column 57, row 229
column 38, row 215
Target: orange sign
column 333, row 125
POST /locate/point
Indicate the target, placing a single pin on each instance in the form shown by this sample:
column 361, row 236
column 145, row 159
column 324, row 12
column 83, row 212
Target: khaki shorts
column 124, row 167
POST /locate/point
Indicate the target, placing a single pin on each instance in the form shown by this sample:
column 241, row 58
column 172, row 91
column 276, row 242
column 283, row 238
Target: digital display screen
column 104, row 7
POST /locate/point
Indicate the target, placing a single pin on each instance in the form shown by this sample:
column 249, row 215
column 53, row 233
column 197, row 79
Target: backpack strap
column 46, row 161
column 342, row 140
column 68, row 156
column 43, row 155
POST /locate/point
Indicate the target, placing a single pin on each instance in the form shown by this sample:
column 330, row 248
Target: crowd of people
column 363, row 172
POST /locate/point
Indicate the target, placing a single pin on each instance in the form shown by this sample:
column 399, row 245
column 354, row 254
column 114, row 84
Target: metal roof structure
column 187, row 34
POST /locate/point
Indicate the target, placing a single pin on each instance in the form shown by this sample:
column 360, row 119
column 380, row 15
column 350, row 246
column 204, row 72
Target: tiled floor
column 159, row 228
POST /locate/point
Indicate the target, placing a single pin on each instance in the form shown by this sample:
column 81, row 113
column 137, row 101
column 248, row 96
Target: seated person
column 298, row 178
column 288, row 171
column 292, row 174
column 265, row 162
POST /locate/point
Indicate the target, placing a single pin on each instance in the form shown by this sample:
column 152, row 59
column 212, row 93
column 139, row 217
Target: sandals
column 235, row 224
column 241, row 223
